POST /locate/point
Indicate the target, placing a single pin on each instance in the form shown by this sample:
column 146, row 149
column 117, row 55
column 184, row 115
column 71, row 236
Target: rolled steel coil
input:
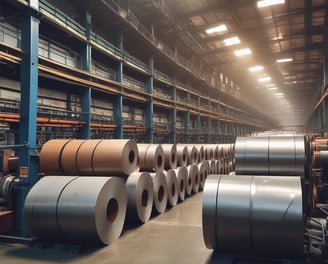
column 192, row 154
column 79, row 210
column 172, row 187
column 182, row 155
column 270, row 155
column 182, row 174
column 151, row 157
column 50, row 156
column 213, row 168
column 201, row 152
column 202, row 175
column 68, row 157
column 139, row 188
column 170, row 154
column 193, row 177
column 160, row 192
column 209, row 210
column 84, row 157
column 264, row 214
column 115, row 157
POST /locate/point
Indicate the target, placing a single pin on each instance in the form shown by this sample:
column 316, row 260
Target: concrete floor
column 173, row 237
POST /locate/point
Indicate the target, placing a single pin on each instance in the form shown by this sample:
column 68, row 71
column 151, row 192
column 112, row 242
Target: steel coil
column 170, row 154
column 172, row 187
column 139, row 187
column 160, row 192
column 151, row 157
column 182, row 174
column 264, row 214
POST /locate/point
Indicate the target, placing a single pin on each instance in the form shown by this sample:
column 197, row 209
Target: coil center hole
column 182, row 185
column 173, row 158
column 161, row 193
column 173, row 189
column 131, row 156
column 144, row 198
column 159, row 161
column 112, row 210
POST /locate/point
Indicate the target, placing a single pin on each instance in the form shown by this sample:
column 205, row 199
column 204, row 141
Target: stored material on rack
column 77, row 209
column 68, row 157
column 151, row 157
column 270, row 155
column 213, row 167
column 172, row 187
column 160, row 191
column 264, row 214
column 209, row 210
column 211, row 152
column 50, row 156
column 41, row 206
column 182, row 155
column 84, row 156
column 170, row 154
column 139, row 187
column 115, row 157
column 92, row 210
column 182, row 174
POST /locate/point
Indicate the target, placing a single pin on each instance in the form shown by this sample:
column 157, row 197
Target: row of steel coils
column 90, row 188
column 258, row 210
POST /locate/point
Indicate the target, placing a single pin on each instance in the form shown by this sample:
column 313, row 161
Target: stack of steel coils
column 261, row 206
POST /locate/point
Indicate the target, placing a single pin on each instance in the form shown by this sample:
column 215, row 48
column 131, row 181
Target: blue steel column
column 173, row 117
column 150, row 105
column 28, row 161
column 187, row 119
column 118, row 101
column 86, row 92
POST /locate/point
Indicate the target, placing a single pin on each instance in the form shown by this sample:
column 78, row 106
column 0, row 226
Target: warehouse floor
column 173, row 237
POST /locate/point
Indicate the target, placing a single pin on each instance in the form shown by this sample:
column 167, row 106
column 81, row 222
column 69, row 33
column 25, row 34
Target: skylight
column 265, row 3
column 217, row 29
column 242, row 52
column 231, row 41
column 256, row 68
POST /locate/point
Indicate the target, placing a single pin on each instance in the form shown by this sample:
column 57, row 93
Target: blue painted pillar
column 118, row 101
column 86, row 92
column 173, row 117
column 198, row 122
column 28, row 161
column 149, row 104
column 187, row 119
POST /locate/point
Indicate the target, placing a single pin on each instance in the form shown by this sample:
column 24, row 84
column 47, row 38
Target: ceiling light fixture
column 217, row 29
column 284, row 60
column 265, row 3
column 231, row 41
column 264, row 79
column 272, row 88
column 242, row 52
column 270, row 85
column 256, row 68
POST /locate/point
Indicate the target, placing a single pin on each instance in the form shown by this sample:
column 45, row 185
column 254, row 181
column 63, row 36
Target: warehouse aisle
column 172, row 237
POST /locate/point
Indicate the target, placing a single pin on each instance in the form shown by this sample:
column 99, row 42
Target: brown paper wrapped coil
column 151, row 157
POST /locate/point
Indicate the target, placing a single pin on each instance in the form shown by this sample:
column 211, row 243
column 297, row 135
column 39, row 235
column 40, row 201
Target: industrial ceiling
column 294, row 30
column 215, row 31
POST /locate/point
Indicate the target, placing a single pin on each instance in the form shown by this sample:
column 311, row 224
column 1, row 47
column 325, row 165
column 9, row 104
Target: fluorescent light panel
column 217, row 29
column 265, row 3
column 264, row 79
column 231, row 41
column 284, row 60
column 242, row 52
column 272, row 88
column 256, row 68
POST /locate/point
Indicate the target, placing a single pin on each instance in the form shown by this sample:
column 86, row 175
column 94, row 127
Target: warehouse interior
column 163, row 131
